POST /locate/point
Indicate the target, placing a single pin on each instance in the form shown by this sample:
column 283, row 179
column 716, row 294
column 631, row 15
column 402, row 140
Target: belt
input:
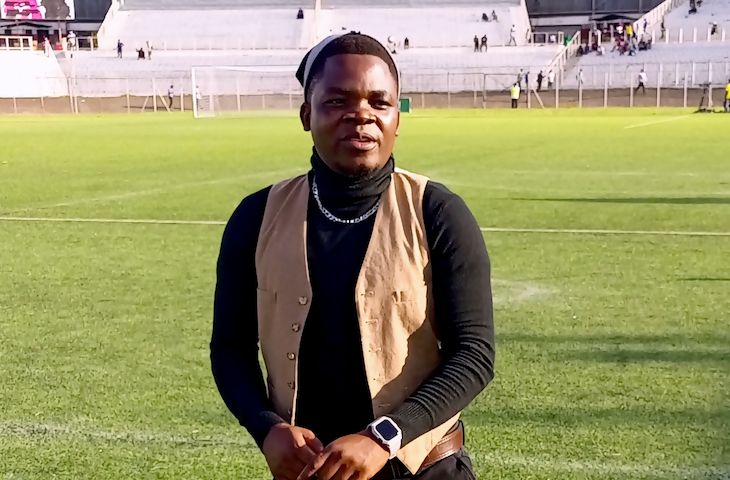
column 452, row 442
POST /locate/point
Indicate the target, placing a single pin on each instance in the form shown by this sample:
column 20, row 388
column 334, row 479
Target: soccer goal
column 220, row 91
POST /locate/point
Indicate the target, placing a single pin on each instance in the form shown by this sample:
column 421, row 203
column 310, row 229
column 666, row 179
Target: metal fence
column 675, row 85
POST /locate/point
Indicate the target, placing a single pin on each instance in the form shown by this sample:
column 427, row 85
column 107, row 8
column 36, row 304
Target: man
column 713, row 28
column 642, row 82
column 514, row 93
column 484, row 43
column 540, row 78
column 727, row 97
column 170, row 94
column 367, row 287
column 149, row 51
column 476, row 43
column 120, row 45
column 520, row 75
column 494, row 16
column 664, row 30
column 512, row 40
column 579, row 78
column 551, row 79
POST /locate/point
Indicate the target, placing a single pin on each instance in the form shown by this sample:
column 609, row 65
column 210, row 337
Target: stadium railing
column 671, row 85
column 16, row 43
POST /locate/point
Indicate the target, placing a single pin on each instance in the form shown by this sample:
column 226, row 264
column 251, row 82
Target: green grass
column 613, row 350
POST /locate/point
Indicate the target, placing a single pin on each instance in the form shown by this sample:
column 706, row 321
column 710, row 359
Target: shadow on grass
column 640, row 200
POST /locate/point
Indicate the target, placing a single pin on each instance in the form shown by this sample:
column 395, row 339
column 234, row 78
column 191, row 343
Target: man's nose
column 361, row 114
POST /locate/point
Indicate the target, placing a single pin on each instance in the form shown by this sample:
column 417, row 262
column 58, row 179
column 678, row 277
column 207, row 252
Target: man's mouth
column 362, row 142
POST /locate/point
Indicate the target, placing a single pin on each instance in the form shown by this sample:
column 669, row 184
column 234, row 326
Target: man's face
column 353, row 114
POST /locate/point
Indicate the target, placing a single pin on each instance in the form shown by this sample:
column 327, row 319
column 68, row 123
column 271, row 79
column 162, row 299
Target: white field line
column 156, row 190
column 49, row 430
column 483, row 229
column 603, row 232
column 490, row 460
column 664, row 120
column 493, row 460
column 114, row 220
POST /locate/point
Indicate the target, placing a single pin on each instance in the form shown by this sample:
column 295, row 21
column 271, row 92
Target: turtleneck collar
column 348, row 197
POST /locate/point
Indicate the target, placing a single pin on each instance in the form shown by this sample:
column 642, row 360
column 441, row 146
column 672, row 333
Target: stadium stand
column 710, row 11
column 30, row 74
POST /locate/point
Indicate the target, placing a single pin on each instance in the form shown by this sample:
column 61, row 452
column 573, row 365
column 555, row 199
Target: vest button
column 295, row 327
column 290, row 356
column 290, row 385
column 302, row 300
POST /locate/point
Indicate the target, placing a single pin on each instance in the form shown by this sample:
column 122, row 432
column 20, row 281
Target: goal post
column 230, row 90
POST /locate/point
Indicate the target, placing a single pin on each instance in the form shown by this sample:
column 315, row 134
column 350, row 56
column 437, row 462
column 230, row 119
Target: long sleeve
column 234, row 343
column 464, row 316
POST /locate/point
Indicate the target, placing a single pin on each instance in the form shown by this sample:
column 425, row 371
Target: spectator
column 579, row 78
column 140, row 54
column 484, row 44
column 692, row 7
column 539, row 80
column 699, row 3
column 494, row 16
column 646, row 25
column 664, row 30
column 551, row 79
column 642, row 82
column 485, row 18
column 515, row 94
column 149, row 51
column 632, row 50
column 120, row 45
column 645, row 43
column 512, row 36
column 600, row 51
column 300, row 14
column 406, row 44
column 170, row 95
column 620, row 30
column 527, row 82
column 580, row 51
column 72, row 41
column 713, row 28
column 519, row 78
column 476, row 43
column 727, row 97
column 629, row 31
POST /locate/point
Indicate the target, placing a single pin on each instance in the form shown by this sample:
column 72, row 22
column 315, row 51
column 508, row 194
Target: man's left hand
column 353, row 456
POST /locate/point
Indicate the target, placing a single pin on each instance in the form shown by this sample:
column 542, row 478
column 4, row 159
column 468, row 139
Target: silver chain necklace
column 332, row 218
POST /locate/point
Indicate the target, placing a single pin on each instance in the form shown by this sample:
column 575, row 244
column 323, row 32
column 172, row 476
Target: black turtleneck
column 333, row 397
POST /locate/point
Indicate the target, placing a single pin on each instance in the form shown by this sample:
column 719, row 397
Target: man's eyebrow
column 344, row 91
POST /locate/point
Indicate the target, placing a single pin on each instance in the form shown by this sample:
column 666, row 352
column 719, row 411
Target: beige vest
column 393, row 298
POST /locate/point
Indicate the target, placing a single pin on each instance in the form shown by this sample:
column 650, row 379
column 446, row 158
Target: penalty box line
column 483, row 229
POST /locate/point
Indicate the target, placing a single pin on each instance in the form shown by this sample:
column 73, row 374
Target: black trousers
column 514, row 103
column 456, row 467
column 640, row 86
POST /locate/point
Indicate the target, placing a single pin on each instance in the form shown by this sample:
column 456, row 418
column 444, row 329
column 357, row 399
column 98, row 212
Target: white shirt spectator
column 642, row 78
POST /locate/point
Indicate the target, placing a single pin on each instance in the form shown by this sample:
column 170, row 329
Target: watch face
column 387, row 430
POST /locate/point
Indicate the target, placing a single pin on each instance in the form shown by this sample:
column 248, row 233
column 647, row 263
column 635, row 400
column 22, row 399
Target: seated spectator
column 580, row 51
column 300, row 14
column 714, row 28
column 594, row 46
column 632, row 50
column 600, row 50
column 494, row 16
column 485, row 18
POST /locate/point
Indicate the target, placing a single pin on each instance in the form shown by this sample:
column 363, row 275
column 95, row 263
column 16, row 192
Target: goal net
column 220, row 91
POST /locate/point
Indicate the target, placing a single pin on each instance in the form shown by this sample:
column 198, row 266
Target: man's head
column 351, row 103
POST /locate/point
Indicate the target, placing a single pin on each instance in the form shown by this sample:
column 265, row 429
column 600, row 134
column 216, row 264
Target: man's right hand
column 289, row 449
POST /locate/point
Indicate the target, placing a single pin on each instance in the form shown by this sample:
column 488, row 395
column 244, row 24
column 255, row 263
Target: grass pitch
column 613, row 357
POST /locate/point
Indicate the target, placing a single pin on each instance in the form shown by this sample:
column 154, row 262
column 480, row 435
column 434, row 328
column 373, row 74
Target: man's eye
column 380, row 104
column 335, row 101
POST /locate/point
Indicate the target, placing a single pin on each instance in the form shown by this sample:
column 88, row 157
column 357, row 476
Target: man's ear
column 397, row 127
column 305, row 114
